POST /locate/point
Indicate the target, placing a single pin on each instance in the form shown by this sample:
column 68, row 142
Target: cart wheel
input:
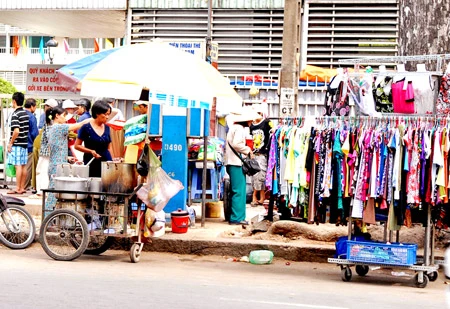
column 135, row 253
column 362, row 270
column 346, row 274
column 423, row 284
column 432, row 276
column 60, row 230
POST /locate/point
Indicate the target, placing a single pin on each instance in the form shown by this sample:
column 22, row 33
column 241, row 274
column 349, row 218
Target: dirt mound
column 286, row 231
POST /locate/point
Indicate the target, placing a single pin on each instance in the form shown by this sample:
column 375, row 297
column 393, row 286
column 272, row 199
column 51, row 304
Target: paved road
column 30, row 279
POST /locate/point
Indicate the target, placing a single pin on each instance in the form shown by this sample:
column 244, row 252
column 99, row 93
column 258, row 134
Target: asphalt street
column 31, row 279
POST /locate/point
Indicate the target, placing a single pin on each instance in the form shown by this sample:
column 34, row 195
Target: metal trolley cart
column 363, row 254
column 423, row 273
column 88, row 223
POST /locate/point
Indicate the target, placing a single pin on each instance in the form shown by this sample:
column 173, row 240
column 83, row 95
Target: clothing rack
column 426, row 270
column 390, row 117
column 439, row 58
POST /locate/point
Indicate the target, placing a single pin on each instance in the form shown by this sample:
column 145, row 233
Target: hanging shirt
column 443, row 100
column 423, row 93
column 403, row 97
column 261, row 136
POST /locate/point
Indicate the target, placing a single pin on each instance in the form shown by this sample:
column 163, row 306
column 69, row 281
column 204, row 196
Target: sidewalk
column 209, row 240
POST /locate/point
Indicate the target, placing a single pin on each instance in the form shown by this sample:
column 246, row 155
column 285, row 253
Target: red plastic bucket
column 180, row 221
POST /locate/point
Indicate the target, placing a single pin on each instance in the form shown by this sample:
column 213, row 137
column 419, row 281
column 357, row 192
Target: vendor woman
column 96, row 138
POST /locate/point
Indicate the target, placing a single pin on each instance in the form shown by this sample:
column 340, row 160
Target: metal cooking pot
column 71, row 184
column 63, row 170
column 118, row 177
column 95, row 186
column 76, row 170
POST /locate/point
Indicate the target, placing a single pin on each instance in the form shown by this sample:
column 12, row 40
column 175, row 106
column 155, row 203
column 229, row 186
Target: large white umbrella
column 173, row 76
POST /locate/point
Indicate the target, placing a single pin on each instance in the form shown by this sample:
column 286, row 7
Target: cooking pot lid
column 68, row 178
column 179, row 212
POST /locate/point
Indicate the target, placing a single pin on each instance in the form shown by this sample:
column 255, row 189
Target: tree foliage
column 6, row 87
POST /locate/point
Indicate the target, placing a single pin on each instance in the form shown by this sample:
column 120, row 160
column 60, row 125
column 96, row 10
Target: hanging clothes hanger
column 421, row 67
column 400, row 69
column 447, row 70
column 381, row 75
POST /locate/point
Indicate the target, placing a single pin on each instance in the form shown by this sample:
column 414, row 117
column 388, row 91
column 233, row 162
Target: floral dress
column 443, row 100
column 57, row 141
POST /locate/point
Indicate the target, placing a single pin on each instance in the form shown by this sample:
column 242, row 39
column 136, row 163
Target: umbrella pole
column 205, row 137
column 205, row 161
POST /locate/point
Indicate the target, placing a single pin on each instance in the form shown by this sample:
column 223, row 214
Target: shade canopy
column 173, row 76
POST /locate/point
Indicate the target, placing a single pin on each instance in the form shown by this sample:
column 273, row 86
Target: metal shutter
column 249, row 40
column 349, row 29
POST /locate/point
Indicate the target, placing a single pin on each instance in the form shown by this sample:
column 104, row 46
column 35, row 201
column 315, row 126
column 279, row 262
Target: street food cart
column 87, row 218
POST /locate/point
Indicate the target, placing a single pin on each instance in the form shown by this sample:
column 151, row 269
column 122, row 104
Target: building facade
column 249, row 34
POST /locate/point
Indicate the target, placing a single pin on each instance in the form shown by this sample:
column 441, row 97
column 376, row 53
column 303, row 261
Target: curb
column 230, row 248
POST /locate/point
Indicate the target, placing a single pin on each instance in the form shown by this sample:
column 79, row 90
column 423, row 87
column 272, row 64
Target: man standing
column 17, row 147
column 116, row 114
column 33, row 132
column 142, row 107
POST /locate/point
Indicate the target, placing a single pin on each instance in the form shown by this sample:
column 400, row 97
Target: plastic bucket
column 213, row 210
column 180, row 221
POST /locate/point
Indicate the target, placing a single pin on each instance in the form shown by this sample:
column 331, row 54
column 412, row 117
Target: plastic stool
column 196, row 184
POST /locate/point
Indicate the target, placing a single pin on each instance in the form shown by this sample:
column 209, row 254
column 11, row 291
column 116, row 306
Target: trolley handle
column 135, row 191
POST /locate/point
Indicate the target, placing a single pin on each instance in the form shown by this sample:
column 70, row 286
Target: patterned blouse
column 44, row 151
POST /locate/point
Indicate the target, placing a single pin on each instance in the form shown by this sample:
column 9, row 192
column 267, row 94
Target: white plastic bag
column 159, row 189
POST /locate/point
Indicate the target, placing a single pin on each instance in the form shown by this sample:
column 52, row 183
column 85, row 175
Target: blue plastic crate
column 381, row 253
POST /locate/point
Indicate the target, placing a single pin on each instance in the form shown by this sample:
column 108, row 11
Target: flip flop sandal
column 12, row 192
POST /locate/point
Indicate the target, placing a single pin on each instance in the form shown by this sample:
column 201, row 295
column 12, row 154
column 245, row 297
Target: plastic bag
column 131, row 140
column 1, row 154
column 136, row 129
column 143, row 162
column 211, row 152
column 10, row 170
column 153, row 160
column 135, row 120
column 154, row 223
column 160, row 188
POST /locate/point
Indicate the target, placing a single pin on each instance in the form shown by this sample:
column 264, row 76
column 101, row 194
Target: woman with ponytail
column 58, row 146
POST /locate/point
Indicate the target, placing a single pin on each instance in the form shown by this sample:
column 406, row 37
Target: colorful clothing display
column 389, row 167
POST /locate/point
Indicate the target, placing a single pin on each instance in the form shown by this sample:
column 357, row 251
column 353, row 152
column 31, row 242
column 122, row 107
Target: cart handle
column 135, row 190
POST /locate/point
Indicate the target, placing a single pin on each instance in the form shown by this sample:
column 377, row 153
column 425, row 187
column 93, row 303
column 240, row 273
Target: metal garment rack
column 439, row 58
column 427, row 271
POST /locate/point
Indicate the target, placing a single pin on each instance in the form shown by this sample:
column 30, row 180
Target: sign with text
column 195, row 47
column 287, row 98
column 41, row 82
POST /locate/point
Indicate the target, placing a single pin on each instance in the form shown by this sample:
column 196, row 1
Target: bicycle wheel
column 59, row 230
column 17, row 228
